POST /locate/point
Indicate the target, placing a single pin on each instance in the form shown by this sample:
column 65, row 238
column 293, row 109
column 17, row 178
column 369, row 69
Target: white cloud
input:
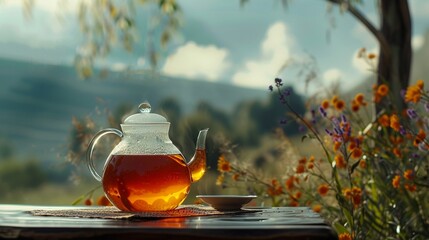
column 275, row 51
column 417, row 42
column 118, row 67
column 332, row 76
column 42, row 21
column 197, row 61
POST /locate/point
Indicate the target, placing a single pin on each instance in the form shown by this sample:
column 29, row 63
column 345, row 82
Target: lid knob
column 144, row 116
column 145, row 107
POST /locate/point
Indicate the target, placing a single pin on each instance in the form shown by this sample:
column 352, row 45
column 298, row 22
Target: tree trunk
column 394, row 64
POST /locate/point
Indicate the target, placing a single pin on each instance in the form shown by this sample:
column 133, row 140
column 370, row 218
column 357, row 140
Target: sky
column 221, row 41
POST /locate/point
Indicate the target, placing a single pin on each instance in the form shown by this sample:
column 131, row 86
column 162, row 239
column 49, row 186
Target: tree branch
column 365, row 21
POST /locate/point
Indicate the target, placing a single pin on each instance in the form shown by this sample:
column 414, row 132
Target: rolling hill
column 38, row 101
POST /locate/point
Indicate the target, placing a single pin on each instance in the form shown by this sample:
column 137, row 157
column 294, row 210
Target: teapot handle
column 91, row 146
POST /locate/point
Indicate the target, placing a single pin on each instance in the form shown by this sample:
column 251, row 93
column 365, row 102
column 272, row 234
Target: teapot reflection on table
column 145, row 171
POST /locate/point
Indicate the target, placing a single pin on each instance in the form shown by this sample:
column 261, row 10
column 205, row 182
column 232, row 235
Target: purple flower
column 403, row 91
column 287, row 92
column 402, row 130
column 412, row 113
column 278, row 82
column 343, row 118
column 338, row 131
column 328, row 132
column 322, row 111
column 282, row 98
column 283, row 121
column 427, row 107
column 270, row 88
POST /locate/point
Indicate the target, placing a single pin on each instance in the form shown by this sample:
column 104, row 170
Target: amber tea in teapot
column 145, row 171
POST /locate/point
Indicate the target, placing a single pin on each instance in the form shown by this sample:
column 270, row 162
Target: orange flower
column 352, row 145
column 414, row 92
column 409, row 174
column 88, row 202
column 300, row 168
column 323, row 189
column 337, row 146
column 275, row 189
column 383, row 90
column 421, row 135
column 339, row 105
column 396, row 180
column 394, row 122
column 354, row 194
column 357, row 195
column 310, row 165
column 371, row 55
column 223, row 164
column 410, row 187
column 355, row 106
column 397, row 152
column 347, row 192
column 317, row 208
column 289, row 183
column 294, row 204
column 325, row 104
column 360, row 99
column 274, row 182
column 357, row 153
column 235, row 177
column 302, row 160
column 396, row 140
column 334, row 99
column 297, row 195
column 362, row 163
column 420, row 84
column 339, row 161
column 344, row 236
column 384, row 120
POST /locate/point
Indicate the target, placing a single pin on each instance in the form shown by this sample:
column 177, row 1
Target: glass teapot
column 145, row 171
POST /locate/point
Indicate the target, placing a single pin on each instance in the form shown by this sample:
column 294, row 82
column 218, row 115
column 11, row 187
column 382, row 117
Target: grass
column 47, row 194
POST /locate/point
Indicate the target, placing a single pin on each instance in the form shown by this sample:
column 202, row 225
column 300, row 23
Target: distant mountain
column 38, row 101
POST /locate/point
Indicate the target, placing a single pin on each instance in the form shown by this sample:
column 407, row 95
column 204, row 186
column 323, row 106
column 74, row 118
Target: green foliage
column 6, row 149
column 21, row 174
column 106, row 23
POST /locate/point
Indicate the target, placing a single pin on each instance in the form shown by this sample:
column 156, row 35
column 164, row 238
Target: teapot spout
column 197, row 165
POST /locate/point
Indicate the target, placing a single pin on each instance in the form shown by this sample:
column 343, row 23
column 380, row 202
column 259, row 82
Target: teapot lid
column 145, row 116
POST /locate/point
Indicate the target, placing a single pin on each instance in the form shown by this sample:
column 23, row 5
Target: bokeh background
column 70, row 68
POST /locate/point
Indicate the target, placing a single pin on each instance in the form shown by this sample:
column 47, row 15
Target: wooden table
column 16, row 222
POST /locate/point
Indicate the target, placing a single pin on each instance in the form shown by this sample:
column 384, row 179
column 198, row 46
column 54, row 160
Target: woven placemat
column 114, row 213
